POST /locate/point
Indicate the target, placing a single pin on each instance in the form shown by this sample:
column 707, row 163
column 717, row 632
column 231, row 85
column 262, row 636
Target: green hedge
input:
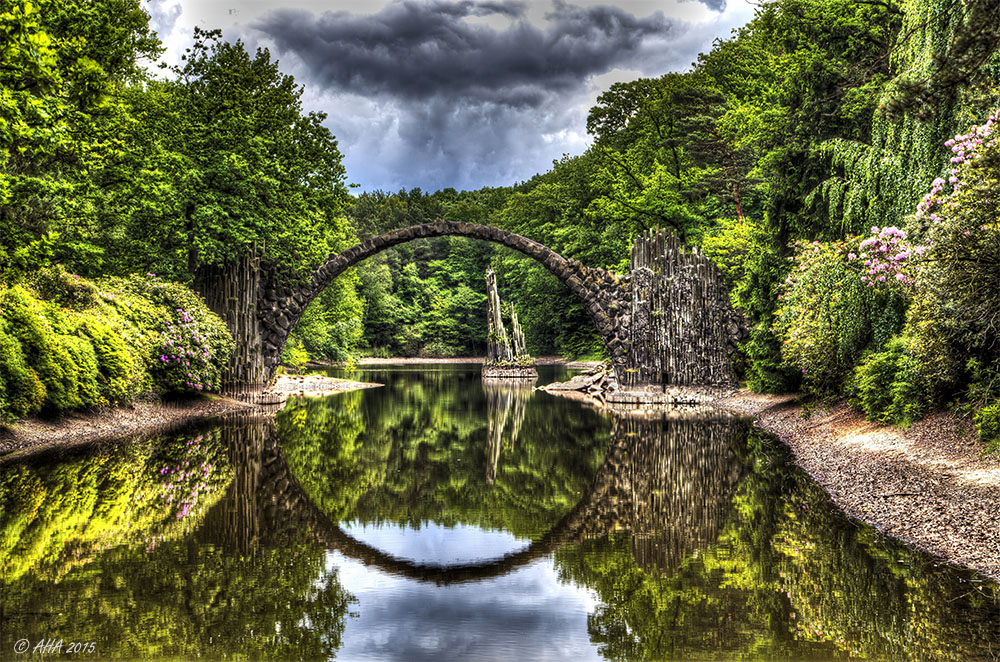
column 68, row 343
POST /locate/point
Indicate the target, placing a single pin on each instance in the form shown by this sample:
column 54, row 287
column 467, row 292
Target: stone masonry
column 668, row 323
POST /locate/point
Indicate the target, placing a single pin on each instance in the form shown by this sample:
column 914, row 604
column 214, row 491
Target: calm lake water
column 438, row 518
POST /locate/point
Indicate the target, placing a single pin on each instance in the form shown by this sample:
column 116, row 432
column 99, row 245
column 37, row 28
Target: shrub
column 915, row 373
column 27, row 319
column 70, row 343
column 184, row 345
column 891, row 386
column 121, row 375
column 987, row 422
column 439, row 349
column 68, row 290
column 829, row 317
column 21, row 391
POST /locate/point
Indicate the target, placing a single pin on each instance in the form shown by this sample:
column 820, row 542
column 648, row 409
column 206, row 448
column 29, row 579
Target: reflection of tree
column 421, row 453
column 238, row 584
column 505, row 403
column 188, row 600
column 57, row 509
column 786, row 576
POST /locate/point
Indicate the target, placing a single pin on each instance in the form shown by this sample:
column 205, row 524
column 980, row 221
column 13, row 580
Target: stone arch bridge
column 666, row 323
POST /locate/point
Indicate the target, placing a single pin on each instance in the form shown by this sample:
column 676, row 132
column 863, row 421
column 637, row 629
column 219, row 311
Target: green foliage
column 61, row 63
column 295, row 354
column 733, row 245
column 891, row 387
column 217, row 164
column 988, row 425
column 917, row 370
column 107, row 346
column 171, row 320
column 425, row 297
column 331, row 327
column 829, row 316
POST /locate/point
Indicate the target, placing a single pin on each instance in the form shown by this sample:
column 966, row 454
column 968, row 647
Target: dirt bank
column 153, row 415
column 930, row 485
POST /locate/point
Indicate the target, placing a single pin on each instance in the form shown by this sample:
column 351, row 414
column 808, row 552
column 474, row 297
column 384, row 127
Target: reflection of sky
column 434, row 544
column 527, row 615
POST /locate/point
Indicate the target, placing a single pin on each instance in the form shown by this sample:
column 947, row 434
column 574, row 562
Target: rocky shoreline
column 930, row 486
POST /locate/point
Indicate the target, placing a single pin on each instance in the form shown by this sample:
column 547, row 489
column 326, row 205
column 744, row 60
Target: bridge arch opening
column 602, row 293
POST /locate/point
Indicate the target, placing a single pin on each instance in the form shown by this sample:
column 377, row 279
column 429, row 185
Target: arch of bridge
column 290, row 505
column 605, row 295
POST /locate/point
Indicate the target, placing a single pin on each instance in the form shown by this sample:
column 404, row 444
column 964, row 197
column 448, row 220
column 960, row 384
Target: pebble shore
column 931, row 485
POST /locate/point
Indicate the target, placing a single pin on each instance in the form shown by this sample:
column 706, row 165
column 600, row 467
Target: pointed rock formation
column 504, row 359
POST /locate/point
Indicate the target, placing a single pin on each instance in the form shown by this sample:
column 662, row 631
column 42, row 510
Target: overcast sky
column 458, row 93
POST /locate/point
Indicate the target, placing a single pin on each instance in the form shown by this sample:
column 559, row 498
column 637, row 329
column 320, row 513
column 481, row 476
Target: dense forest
column 835, row 158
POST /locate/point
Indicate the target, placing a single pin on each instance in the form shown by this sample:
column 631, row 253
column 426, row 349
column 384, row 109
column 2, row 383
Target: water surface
column 440, row 518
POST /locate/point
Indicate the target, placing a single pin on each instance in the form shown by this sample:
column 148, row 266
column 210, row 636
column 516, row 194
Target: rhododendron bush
column 962, row 227
column 829, row 316
column 68, row 343
column 844, row 300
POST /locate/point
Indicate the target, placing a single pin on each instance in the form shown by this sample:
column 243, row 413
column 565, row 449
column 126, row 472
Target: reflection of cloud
column 436, row 544
column 526, row 615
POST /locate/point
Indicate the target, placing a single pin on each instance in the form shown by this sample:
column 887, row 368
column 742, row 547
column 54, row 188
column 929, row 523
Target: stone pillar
column 234, row 292
column 683, row 329
column 497, row 342
column 517, row 334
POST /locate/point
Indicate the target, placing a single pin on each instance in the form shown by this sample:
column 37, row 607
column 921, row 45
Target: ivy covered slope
column 67, row 342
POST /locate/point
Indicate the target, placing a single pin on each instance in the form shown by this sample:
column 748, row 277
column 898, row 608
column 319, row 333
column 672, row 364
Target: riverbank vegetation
column 834, row 157
column 70, row 343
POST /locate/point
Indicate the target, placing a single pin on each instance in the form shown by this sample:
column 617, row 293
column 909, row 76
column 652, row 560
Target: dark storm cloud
column 422, row 50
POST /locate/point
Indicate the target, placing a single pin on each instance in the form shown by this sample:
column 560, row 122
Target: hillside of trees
column 836, row 158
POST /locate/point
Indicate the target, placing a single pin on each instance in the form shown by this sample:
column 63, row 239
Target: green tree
column 62, row 65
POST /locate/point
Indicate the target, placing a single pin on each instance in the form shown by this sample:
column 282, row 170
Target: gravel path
column 930, row 485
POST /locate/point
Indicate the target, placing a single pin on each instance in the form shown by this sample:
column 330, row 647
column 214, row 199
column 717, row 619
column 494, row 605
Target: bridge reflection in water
column 667, row 477
column 668, row 535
